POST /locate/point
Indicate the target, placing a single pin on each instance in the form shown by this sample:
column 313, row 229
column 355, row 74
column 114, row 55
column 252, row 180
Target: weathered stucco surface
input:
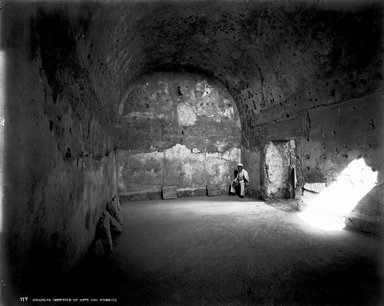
column 59, row 169
column 141, row 171
column 177, row 129
column 83, row 78
column 328, row 139
column 252, row 163
column 339, row 136
column 278, row 160
column 282, row 62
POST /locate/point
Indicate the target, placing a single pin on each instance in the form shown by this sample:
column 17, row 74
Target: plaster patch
column 278, row 159
column 179, row 150
column 234, row 154
column 183, row 168
column 228, row 112
column 194, row 118
column 203, row 86
column 143, row 115
column 230, row 155
column 252, row 161
column 163, row 86
column 218, row 171
column 185, row 115
column 139, row 171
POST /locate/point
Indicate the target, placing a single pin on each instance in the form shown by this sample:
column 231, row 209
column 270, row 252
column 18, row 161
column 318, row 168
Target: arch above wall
column 176, row 129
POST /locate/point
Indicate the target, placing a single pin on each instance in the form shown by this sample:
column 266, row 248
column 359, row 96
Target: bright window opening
column 329, row 210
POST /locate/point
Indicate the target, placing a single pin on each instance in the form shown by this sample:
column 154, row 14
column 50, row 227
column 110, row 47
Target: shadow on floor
column 289, row 205
column 353, row 282
column 228, row 251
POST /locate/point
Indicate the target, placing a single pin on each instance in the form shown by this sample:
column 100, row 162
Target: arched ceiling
column 275, row 58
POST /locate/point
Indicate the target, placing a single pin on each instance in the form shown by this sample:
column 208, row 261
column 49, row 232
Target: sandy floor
column 231, row 251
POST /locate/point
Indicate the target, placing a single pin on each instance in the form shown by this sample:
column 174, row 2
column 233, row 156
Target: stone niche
column 176, row 129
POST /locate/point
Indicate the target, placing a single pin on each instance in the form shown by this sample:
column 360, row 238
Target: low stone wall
column 180, row 193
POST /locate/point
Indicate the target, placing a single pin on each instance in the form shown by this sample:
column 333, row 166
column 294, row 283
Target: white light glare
column 329, row 209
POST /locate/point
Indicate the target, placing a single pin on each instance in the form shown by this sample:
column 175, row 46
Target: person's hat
column 240, row 165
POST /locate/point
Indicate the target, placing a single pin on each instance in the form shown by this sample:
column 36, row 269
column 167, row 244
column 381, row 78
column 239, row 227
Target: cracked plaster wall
column 178, row 129
column 59, row 169
column 279, row 158
column 304, row 70
column 276, row 59
column 282, row 62
column 328, row 138
column 338, row 135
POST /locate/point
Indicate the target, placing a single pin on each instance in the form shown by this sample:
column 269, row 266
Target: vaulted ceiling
column 276, row 58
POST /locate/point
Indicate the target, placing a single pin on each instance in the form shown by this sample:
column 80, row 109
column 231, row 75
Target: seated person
column 241, row 181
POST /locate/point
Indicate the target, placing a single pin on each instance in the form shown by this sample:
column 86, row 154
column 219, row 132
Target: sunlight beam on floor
column 329, row 209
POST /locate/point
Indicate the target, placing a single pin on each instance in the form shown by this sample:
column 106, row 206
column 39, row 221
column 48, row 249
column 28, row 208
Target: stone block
column 314, row 187
column 114, row 225
column 213, row 190
column 169, row 192
column 104, row 230
column 114, row 210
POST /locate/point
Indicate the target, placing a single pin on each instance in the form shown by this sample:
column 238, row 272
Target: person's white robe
column 241, row 178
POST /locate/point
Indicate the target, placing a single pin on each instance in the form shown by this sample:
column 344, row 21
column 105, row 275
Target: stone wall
column 304, row 71
column 253, row 164
column 59, row 158
column 339, row 136
column 280, row 61
column 278, row 162
column 177, row 129
column 328, row 140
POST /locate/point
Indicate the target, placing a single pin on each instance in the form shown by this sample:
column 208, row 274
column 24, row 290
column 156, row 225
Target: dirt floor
column 231, row 251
